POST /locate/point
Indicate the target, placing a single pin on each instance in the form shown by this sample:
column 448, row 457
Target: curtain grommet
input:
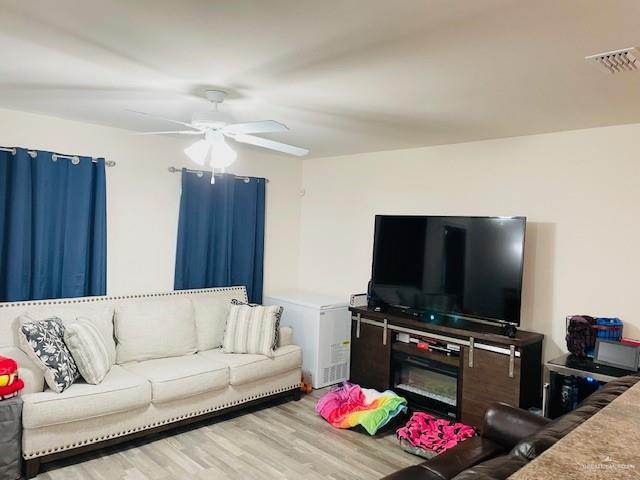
column 246, row 180
column 32, row 153
column 54, row 157
column 75, row 160
column 14, row 151
column 200, row 174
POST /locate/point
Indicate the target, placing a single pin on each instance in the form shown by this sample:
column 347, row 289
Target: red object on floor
column 10, row 384
column 630, row 341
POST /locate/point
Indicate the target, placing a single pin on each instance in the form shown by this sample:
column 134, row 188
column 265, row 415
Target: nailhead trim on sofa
column 156, row 424
column 65, row 301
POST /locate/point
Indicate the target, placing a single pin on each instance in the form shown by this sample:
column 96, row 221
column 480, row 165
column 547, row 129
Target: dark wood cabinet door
column 486, row 382
column 370, row 357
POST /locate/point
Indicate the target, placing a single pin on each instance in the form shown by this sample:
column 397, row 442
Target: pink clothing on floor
column 340, row 402
column 434, row 434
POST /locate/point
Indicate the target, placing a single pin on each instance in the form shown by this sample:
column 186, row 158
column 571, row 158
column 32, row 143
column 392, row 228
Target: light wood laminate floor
column 285, row 441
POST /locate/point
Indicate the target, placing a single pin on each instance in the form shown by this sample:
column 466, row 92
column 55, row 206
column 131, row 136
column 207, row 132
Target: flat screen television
column 462, row 266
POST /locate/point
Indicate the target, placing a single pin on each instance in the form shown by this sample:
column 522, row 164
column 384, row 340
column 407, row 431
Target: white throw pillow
column 252, row 329
column 158, row 328
column 88, row 348
column 211, row 320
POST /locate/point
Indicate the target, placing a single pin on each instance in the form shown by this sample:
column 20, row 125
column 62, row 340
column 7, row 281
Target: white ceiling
column 346, row 76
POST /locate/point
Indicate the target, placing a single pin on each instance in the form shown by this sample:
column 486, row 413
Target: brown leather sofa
column 509, row 439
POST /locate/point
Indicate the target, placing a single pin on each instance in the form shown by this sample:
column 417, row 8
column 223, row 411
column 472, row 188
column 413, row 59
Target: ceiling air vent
column 618, row 61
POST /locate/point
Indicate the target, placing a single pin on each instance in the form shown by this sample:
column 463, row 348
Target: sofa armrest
column 497, row 468
column 507, row 425
column 31, row 375
column 464, row 455
column 285, row 337
column 450, row 463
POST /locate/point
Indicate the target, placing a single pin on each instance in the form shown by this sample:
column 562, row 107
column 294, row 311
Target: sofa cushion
column 180, row 377
column 155, row 328
column 246, row 367
column 211, row 319
column 120, row 391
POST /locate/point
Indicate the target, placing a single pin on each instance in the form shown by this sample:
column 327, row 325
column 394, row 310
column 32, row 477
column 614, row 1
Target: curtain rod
column 75, row 159
column 202, row 172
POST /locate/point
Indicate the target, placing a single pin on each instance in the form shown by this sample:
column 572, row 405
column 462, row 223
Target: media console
column 452, row 367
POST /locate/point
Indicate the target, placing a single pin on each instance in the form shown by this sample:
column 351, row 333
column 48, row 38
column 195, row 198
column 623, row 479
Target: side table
column 576, row 378
column 10, row 438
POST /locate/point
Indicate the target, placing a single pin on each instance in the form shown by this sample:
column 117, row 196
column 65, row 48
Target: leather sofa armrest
column 31, row 375
column 450, row 463
column 497, row 468
column 507, row 425
column 285, row 336
column 464, row 455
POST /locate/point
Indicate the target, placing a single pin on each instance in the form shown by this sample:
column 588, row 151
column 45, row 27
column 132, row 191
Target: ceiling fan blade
column 265, row 126
column 177, row 122
column 173, row 132
column 270, row 144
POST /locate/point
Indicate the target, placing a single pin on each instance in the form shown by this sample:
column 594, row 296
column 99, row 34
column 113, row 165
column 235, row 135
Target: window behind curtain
column 221, row 233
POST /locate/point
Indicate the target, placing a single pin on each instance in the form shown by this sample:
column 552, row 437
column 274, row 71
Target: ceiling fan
column 215, row 132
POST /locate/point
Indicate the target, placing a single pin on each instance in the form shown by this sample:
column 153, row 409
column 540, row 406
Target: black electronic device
column 438, row 266
column 616, row 354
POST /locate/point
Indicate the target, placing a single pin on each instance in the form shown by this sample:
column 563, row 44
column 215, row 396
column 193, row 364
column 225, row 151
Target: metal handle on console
column 384, row 331
column 545, row 399
column 471, row 342
column 358, row 319
column 512, row 359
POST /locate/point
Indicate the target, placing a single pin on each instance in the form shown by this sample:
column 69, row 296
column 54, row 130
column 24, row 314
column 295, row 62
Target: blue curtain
column 221, row 233
column 53, row 232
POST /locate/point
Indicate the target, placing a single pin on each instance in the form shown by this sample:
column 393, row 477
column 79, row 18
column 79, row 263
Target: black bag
column 581, row 336
column 10, row 438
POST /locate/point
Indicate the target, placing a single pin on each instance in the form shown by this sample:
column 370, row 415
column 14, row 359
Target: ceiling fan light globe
column 198, row 151
column 222, row 155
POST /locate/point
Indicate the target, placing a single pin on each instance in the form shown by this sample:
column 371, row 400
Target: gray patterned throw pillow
column 43, row 342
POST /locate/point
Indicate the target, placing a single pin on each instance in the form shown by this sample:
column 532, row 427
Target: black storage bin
column 10, row 438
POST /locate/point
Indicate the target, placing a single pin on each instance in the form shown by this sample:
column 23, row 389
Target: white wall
column 143, row 198
column 578, row 189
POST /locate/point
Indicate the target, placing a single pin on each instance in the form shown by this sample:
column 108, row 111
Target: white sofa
column 169, row 368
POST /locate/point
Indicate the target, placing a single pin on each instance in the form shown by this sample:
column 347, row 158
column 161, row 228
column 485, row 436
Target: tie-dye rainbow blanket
column 350, row 405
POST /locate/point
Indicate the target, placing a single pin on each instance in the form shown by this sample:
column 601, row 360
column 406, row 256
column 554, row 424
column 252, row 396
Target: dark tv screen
column 467, row 266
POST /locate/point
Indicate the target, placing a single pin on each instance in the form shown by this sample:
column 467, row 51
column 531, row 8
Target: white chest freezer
column 322, row 327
